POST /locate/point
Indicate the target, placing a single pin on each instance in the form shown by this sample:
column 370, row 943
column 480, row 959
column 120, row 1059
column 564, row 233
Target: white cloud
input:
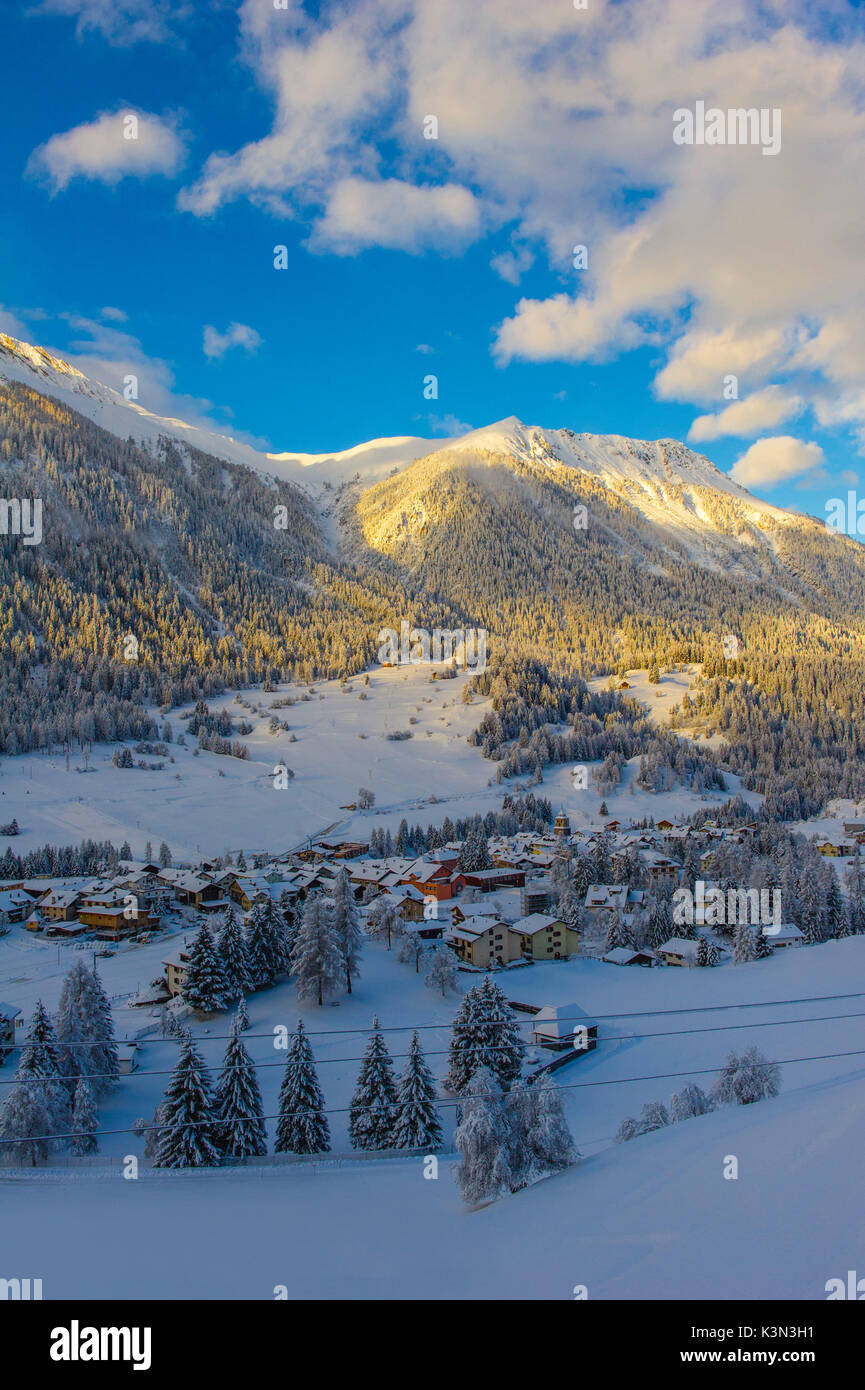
column 557, row 125
column 236, row 335
column 764, row 410
column 397, row 215
column 449, row 425
column 121, row 22
column 115, row 145
column 775, row 460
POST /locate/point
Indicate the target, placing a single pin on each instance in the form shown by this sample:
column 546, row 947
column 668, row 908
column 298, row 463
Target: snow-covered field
column 653, row 1218
column 204, row 804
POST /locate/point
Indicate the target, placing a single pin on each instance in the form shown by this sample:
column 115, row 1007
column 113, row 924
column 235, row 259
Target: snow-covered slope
column 107, row 407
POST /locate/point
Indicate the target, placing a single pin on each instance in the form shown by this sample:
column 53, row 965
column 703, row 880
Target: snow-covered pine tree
column 188, row 1114
column 702, row 952
column 548, row 1137
column 468, row 1045
column 39, row 1067
column 482, row 1141
column 373, row 1106
column 762, row 944
column 417, row 1124
column 744, row 945
column 241, row 1016
column 258, row 954
column 346, row 924
column 442, row 971
column 747, row 1078
column 231, row 955
column 618, row 931
column 85, row 1032
column 507, row 1043
column 302, row 1127
column 84, row 1122
column 238, row 1130
column 316, row 962
column 691, row 1100
column 24, row 1118
column 203, row 985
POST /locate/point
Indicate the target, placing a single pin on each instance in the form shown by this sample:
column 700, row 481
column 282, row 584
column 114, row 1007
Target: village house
column 544, row 938
column 787, row 934
column 10, row 1019
column 489, row 880
column 561, row 1026
column 626, row 955
column 678, row 951
column 480, row 940
column 60, row 905
column 433, row 880
column 175, row 971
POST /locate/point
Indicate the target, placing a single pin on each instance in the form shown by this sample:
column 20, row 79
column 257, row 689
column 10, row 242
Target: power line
column 447, row 1104
column 441, row 1052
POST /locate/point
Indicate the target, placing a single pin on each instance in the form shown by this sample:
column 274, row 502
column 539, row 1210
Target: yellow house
column 482, row 941
column 542, row 938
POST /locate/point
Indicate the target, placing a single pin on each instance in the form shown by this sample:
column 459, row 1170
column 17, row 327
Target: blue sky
column 407, row 256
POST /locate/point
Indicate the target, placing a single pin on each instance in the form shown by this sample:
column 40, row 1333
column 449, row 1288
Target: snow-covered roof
column 535, row 922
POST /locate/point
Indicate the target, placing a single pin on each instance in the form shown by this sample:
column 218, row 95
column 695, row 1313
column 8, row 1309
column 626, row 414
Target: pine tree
column 346, row 925
column 231, row 956
column 504, row 1032
column 468, row 1049
column 242, row 1017
column 744, row 946
column 188, row 1114
column 258, row 955
column 316, row 961
column 24, row 1118
column 373, row 1107
column 39, row 1066
column 417, row 1123
column 85, row 1032
column 203, row 985
column 548, row 1137
column 481, row 1139
column 762, row 944
column 238, row 1112
column 84, row 1122
column 302, row 1127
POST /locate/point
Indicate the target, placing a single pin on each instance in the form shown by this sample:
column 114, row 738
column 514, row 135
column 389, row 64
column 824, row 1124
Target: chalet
column 544, row 938
column 409, row 902
column 342, row 849
column 780, row 937
column 15, row 904
column 827, row 847
column 854, row 827
column 175, row 971
column 483, row 940
column 664, row 825
column 114, row 914
column 10, row 1019
column 127, row 1058
column 678, row 951
column 613, row 896
column 625, row 955
column 198, row 891
column 60, row 905
column 490, row 880
column 560, row 1026
column 433, row 880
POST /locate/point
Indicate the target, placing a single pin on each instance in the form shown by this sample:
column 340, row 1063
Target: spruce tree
column 24, row 1118
column 505, row 1038
column 85, row 1032
column 84, row 1122
column 481, row 1139
column 231, row 955
column 417, row 1123
column 548, row 1137
column 744, row 946
column 346, row 924
column 188, row 1114
column 203, row 985
column 316, row 961
column 302, row 1127
column 238, row 1124
column 373, row 1107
